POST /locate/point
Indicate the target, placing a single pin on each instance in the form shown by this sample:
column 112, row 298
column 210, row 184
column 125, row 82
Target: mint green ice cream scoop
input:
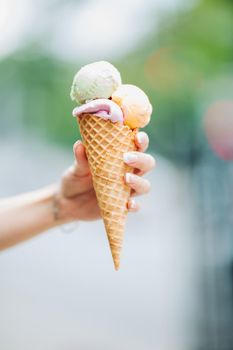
column 95, row 80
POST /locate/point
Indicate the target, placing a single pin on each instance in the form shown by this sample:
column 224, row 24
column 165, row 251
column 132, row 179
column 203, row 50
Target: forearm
column 25, row 216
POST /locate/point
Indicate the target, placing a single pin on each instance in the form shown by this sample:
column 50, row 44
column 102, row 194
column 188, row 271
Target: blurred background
column 175, row 287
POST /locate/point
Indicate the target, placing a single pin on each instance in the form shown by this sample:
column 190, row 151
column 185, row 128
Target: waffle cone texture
column 105, row 143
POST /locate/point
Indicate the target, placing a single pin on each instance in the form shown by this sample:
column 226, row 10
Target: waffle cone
column 105, row 142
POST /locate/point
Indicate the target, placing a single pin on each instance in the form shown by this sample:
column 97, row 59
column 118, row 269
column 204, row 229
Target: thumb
column 81, row 166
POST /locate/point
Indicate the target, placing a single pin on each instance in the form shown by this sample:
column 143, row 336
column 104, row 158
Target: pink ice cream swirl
column 102, row 108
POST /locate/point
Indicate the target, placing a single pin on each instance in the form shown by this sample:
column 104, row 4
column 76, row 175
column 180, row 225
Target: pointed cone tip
column 115, row 255
column 116, row 261
column 116, row 265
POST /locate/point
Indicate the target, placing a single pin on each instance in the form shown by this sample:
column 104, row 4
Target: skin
column 25, row 216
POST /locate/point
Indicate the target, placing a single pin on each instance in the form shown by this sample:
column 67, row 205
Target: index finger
column 142, row 141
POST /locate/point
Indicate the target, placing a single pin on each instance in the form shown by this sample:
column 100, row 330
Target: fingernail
column 140, row 138
column 77, row 143
column 130, row 157
column 129, row 177
column 132, row 204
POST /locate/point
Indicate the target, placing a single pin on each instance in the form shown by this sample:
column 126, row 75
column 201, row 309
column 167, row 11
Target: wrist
column 61, row 209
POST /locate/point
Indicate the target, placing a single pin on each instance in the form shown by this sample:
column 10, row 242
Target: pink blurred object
column 218, row 125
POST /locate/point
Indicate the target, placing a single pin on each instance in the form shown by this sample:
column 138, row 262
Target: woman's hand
column 76, row 196
column 75, row 199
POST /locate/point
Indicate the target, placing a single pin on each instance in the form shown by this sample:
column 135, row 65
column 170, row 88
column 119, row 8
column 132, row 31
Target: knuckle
column 67, row 172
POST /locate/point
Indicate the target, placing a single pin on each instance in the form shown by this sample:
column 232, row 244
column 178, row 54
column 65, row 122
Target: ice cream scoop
column 95, row 80
column 103, row 108
column 135, row 105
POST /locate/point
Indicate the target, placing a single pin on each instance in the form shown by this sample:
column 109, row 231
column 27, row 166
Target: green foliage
column 189, row 52
column 174, row 66
column 42, row 84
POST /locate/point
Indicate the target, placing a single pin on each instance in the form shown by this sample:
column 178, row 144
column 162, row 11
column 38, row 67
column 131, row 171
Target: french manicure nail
column 130, row 157
column 128, row 177
column 77, row 143
column 132, row 204
column 140, row 138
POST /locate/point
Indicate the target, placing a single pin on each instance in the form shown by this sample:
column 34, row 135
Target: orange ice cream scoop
column 135, row 105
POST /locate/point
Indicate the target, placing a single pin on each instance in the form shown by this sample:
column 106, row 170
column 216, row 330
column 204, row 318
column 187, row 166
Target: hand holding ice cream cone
column 109, row 117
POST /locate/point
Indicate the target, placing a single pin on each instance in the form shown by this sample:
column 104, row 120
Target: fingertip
column 133, row 206
column 76, row 145
column 152, row 161
column 142, row 141
column 79, row 152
